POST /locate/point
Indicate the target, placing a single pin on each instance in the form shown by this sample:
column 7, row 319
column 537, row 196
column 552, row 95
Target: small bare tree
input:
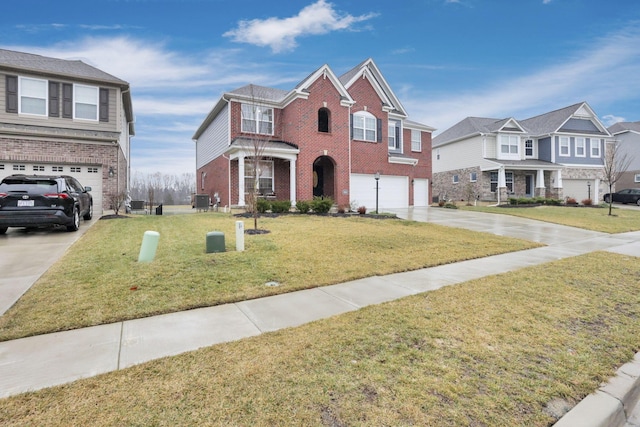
column 116, row 200
column 616, row 163
column 260, row 121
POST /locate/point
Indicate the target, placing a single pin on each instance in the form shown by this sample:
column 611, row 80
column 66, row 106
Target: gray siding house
column 65, row 117
column 627, row 135
column 558, row 154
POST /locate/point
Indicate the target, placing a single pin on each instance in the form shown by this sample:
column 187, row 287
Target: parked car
column 43, row 200
column 628, row 195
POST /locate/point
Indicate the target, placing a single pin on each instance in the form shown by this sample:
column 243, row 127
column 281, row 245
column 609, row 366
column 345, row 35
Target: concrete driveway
column 26, row 255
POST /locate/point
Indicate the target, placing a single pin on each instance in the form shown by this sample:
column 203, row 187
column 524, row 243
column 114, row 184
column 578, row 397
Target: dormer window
column 324, row 120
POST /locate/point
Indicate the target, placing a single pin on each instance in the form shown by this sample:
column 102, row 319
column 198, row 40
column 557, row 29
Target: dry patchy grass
column 490, row 352
column 92, row 283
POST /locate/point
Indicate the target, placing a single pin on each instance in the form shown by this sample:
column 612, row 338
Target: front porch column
column 502, row 186
column 292, row 181
column 540, row 188
column 241, row 181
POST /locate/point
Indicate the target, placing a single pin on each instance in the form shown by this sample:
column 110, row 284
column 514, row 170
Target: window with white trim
column 38, row 168
column 494, row 181
column 564, row 146
column 364, row 126
column 455, row 179
column 395, row 140
column 416, row 140
column 85, row 102
column 257, row 119
column 19, row 167
column 57, row 168
column 33, row 96
column 265, row 177
column 636, row 178
column 528, row 148
column 92, row 170
column 581, row 144
column 595, row 147
column 473, row 177
column 508, row 180
column 509, row 146
column 75, row 169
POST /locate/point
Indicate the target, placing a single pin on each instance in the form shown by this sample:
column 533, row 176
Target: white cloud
column 610, row 119
column 280, row 34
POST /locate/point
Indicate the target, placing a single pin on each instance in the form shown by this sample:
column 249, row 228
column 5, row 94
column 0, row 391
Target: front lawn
column 589, row 218
column 505, row 350
column 100, row 281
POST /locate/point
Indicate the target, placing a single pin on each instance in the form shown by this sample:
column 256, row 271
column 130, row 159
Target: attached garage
column 420, row 192
column 579, row 189
column 88, row 176
column 393, row 191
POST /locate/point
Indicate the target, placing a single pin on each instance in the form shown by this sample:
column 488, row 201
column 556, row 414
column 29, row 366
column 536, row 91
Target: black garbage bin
column 159, row 209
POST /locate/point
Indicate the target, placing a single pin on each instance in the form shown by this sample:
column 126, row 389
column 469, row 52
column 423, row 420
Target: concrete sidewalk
column 47, row 360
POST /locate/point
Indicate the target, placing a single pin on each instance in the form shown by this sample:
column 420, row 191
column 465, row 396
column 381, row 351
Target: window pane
column 34, row 106
column 86, row 95
column 86, row 111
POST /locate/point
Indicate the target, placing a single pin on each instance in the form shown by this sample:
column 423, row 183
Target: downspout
column 349, row 145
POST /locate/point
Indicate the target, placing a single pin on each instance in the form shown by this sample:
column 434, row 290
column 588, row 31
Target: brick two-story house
column 328, row 136
column 65, row 117
column 558, row 154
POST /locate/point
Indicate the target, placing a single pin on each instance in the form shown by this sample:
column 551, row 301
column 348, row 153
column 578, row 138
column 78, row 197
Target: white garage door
column 420, row 192
column 577, row 188
column 89, row 176
column 393, row 191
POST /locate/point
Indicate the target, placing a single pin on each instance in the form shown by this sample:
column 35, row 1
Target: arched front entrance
column 324, row 177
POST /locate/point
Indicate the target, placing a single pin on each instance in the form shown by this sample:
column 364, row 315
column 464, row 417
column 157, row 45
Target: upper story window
column 509, row 146
column 257, row 119
column 564, row 146
column 33, row 96
column 636, row 178
column 85, row 105
column 595, row 147
column 395, row 143
column 581, row 147
column 364, row 127
column 324, row 120
column 416, row 140
column 528, row 148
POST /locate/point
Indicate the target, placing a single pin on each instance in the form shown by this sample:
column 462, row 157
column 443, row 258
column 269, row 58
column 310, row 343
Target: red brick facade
column 297, row 122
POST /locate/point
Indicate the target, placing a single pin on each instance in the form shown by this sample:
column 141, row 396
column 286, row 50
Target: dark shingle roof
column 550, row 122
column 624, row 126
column 467, row 127
column 44, row 65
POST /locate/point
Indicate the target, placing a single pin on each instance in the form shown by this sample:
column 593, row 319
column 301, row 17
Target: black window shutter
column 67, row 100
column 54, row 99
column 379, row 130
column 12, row 94
column 351, row 125
column 104, row 105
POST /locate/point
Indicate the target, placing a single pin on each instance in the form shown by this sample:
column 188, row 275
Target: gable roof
column 543, row 124
column 368, row 69
column 37, row 64
column 622, row 127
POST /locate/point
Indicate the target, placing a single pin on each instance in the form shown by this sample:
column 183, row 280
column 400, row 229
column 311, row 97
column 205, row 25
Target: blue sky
column 444, row 59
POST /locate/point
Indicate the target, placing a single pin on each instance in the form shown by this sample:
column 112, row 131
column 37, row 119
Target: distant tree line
column 158, row 187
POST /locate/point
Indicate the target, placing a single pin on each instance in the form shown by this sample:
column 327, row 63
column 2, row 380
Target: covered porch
column 521, row 179
column 276, row 170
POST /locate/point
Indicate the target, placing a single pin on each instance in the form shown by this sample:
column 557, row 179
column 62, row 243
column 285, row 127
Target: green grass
column 591, row 218
column 490, row 352
column 92, row 284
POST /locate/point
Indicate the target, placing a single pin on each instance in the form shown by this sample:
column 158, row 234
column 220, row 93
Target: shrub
column 280, row 206
column 451, row 205
column 321, row 205
column 263, row 205
column 587, row 202
column 343, row 209
column 571, row 201
column 362, row 210
column 303, row 206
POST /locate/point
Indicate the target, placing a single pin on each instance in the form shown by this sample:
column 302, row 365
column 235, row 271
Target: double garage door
column 579, row 189
column 393, row 191
column 88, row 176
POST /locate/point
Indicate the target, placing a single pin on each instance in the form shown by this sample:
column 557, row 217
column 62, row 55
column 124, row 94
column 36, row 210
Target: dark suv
column 39, row 200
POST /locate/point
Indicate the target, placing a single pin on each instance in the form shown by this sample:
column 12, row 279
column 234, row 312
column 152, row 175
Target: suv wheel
column 89, row 214
column 3, row 230
column 76, row 221
column 607, row 199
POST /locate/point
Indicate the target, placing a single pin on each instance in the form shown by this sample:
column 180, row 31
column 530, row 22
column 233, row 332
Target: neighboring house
column 65, row 117
column 627, row 134
column 328, row 136
column 559, row 154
